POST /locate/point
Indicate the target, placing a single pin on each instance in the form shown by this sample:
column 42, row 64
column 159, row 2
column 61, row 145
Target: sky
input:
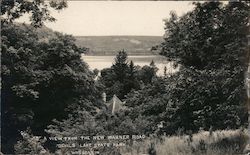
column 107, row 18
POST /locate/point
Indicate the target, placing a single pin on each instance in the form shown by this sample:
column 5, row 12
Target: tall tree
column 121, row 65
column 113, row 78
column 121, row 78
column 165, row 71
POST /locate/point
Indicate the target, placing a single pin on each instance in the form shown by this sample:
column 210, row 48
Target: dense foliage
column 213, row 35
column 81, row 122
column 212, row 41
column 40, row 79
column 210, row 45
column 187, row 101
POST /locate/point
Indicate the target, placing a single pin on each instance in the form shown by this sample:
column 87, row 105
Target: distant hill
column 105, row 45
column 110, row 45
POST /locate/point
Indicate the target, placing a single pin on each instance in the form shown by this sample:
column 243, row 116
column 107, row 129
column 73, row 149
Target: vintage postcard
column 125, row 77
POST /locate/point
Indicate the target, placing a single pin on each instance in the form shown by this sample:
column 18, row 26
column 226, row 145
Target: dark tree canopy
column 210, row 45
column 39, row 10
column 40, row 79
column 213, row 35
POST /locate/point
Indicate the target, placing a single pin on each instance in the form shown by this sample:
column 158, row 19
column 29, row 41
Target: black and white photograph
column 125, row 77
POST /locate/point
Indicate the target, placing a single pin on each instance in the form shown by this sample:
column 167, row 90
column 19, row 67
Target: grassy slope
column 221, row 142
column 109, row 45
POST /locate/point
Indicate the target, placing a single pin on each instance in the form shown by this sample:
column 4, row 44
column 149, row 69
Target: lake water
column 101, row 62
